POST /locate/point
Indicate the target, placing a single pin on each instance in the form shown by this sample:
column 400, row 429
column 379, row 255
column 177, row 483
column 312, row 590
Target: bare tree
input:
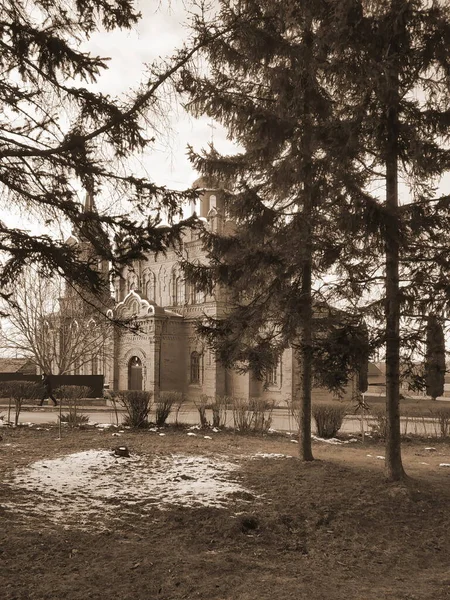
column 60, row 333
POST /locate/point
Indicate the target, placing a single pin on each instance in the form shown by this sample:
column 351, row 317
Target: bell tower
column 211, row 202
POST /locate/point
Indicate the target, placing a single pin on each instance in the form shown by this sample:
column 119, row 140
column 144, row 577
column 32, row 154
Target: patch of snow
column 194, row 427
column 192, row 434
column 369, row 455
column 444, row 465
column 380, row 457
column 423, row 463
column 215, row 430
column 87, row 488
column 162, row 434
column 271, row 430
column 207, row 437
column 269, row 455
column 104, row 425
column 294, row 441
column 431, row 449
column 333, row 441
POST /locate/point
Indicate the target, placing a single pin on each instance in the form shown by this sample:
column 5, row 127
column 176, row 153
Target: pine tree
column 57, row 133
column 267, row 84
column 370, row 81
column 401, row 48
column 435, row 358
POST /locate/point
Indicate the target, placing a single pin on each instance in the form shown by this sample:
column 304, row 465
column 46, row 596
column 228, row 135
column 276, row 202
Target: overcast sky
column 162, row 30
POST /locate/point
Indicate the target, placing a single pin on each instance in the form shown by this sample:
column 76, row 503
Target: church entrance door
column 135, row 374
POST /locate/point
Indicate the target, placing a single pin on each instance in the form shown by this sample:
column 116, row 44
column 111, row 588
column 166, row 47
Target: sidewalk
column 97, row 405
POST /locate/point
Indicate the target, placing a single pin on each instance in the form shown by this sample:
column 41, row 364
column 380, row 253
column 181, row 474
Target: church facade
column 165, row 352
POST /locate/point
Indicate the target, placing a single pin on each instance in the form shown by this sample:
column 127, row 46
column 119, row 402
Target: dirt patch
column 273, row 526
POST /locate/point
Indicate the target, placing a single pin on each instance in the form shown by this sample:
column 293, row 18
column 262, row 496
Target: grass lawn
column 221, row 517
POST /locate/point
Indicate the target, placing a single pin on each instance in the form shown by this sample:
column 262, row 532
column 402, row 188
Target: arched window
column 149, row 286
column 196, row 370
column 178, row 289
column 135, row 373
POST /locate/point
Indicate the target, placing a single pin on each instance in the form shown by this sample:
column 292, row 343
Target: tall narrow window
column 273, row 376
column 180, row 291
column 174, row 289
column 149, row 286
column 195, row 368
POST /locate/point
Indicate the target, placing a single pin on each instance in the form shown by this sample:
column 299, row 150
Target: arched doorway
column 135, row 373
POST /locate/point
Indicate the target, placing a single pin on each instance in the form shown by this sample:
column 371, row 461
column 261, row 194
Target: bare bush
column 261, row 412
column 137, row 404
column 219, row 410
column 164, row 405
column 328, row 419
column 294, row 409
column 442, row 415
column 241, row 416
column 74, row 419
column 201, row 405
column 70, row 396
column 379, row 427
column 177, row 405
column 17, row 392
column 254, row 414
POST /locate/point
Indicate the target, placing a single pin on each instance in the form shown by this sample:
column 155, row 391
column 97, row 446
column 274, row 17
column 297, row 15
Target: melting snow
column 269, row 455
column 333, row 441
column 87, row 487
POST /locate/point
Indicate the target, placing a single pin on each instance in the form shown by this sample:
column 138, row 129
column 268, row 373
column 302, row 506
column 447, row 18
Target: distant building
column 24, row 366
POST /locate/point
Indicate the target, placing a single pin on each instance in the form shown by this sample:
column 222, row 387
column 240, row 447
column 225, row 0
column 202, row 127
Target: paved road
column 281, row 421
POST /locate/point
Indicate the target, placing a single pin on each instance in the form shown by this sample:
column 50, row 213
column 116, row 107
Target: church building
column 166, row 353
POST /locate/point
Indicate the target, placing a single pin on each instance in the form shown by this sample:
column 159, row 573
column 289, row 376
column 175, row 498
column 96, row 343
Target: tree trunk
column 306, row 289
column 306, row 358
column 394, row 467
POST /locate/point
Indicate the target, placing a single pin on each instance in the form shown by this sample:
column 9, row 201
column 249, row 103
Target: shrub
column 261, row 413
column 328, row 419
column 18, row 391
column 164, row 406
column 442, row 415
column 294, row 409
column 137, row 404
column 178, row 403
column 201, row 405
column 254, row 414
column 241, row 415
column 70, row 396
column 73, row 419
column 219, row 410
column 380, row 425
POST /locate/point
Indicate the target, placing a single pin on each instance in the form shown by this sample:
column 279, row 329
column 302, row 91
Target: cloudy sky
column 162, row 30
